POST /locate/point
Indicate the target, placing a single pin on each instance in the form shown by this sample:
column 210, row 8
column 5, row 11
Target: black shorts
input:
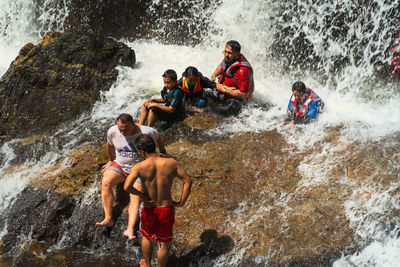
column 166, row 116
column 226, row 108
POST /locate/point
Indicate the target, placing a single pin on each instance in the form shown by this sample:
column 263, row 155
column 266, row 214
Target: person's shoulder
column 178, row 86
column 147, row 129
column 178, row 91
column 112, row 130
column 166, row 162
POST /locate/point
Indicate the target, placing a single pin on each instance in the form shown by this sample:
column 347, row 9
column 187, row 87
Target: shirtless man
column 122, row 156
column 157, row 219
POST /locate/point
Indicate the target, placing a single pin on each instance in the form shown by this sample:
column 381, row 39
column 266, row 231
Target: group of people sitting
column 235, row 87
column 226, row 97
column 147, row 175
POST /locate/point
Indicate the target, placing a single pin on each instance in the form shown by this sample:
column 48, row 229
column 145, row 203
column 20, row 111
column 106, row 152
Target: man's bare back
column 156, row 174
column 157, row 217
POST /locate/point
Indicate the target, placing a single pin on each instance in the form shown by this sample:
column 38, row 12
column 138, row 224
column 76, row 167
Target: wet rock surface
column 57, row 80
column 132, row 20
column 249, row 202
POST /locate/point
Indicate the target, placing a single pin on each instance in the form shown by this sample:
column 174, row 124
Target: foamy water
column 366, row 112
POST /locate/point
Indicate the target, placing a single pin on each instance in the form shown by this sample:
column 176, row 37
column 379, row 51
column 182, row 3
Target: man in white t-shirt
column 122, row 156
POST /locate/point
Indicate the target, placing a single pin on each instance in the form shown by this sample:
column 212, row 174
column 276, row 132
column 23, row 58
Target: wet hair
column 125, row 118
column 234, row 45
column 190, row 71
column 170, row 74
column 146, row 143
column 300, row 87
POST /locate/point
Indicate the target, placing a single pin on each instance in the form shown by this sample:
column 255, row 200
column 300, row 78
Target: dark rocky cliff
column 172, row 21
column 58, row 79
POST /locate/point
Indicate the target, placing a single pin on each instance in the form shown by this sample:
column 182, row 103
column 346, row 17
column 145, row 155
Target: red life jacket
column 227, row 78
column 395, row 67
column 395, row 49
column 185, row 86
column 302, row 111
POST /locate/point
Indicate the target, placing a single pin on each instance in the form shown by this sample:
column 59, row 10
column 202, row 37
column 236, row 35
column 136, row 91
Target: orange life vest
column 185, row 86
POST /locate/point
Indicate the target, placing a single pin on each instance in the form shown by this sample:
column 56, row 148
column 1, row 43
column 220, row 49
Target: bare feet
column 106, row 223
column 130, row 235
column 143, row 263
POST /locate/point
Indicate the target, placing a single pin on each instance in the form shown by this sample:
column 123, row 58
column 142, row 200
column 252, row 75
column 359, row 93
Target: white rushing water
column 367, row 112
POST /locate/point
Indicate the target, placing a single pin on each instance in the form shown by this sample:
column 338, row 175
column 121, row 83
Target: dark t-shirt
column 173, row 98
column 204, row 83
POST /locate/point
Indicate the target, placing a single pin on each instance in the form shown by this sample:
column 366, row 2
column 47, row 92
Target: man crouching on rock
column 158, row 217
column 122, row 156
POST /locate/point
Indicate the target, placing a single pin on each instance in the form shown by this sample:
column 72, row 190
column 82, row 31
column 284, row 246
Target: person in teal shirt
column 169, row 107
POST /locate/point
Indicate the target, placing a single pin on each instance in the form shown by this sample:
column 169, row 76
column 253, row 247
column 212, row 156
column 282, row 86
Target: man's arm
column 216, row 73
column 236, row 93
column 187, row 185
column 161, row 144
column 313, row 110
column 111, row 155
column 130, row 180
column 243, row 82
column 168, row 109
column 207, row 83
column 110, row 151
column 128, row 186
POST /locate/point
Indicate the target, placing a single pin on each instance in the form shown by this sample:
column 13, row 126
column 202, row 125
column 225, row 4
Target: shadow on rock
column 212, row 247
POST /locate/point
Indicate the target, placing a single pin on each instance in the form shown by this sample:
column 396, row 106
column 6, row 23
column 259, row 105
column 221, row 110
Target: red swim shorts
column 115, row 167
column 156, row 223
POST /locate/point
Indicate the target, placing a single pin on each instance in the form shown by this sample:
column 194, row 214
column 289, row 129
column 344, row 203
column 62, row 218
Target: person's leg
column 163, row 232
column 162, row 254
column 143, row 115
column 147, row 250
column 110, row 179
column 152, row 118
column 133, row 211
column 230, row 107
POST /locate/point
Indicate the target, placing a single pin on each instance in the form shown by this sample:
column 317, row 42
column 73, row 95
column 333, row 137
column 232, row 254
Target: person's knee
column 110, row 180
column 107, row 185
column 163, row 246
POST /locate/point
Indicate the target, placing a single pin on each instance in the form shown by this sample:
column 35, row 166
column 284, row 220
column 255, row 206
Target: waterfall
column 337, row 48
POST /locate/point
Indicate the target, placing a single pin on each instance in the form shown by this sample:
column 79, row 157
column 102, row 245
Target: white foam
column 377, row 254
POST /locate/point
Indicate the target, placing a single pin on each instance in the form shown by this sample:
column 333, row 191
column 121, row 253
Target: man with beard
column 236, row 75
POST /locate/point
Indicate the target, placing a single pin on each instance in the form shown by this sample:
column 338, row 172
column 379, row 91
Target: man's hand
column 148, row 203
column 148, row 101
column 220, row 87
column 105, row 166
column 177, row 204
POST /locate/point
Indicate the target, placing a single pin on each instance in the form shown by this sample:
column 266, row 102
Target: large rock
column 177, row 22
column 56, row 80
column 250, row 202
